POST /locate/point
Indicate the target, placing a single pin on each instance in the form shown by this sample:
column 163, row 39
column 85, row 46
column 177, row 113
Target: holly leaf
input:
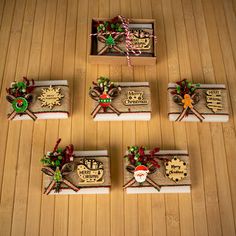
column 138, row 163
column 105, row 23
column 178, row 89
column 57, row 162
column 21, row 85
column 59, row 150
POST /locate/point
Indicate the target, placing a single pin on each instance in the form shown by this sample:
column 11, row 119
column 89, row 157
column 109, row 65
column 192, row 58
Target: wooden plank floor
column 47, row 39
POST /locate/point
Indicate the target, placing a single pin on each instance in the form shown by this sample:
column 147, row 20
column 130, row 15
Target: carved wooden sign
column 214, row 100
column 135, row 98
column 51, row 97
column 141, row 39
column 90, row 171
column 176, row 169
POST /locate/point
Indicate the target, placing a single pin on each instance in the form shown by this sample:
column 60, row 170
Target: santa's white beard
column 140, row 176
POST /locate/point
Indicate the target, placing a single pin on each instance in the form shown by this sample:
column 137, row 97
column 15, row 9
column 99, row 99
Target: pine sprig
column 104, row 84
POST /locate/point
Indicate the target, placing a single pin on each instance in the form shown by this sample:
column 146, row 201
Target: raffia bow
column 188, row 103
column 19, row 95
column 138, row 158
column 185, row 94
column 13, row 114
column 58, row 178
column 109, row 42
column 131, row 168
column 104, row 92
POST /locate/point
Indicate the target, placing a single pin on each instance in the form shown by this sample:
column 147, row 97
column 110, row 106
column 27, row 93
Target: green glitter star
column 110, row 41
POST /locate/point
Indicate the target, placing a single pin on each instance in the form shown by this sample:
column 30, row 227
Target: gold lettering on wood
column 90, row 171
column 140, row 39
column 214, row 100
column 135, row 98
column 176, row 169
column 51, row 97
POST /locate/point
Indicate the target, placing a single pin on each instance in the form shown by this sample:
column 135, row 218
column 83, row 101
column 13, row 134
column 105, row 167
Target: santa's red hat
column 141, row 167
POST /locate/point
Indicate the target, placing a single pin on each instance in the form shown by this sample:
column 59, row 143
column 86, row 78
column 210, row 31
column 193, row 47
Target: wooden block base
column 164, row 189
column 208, row 118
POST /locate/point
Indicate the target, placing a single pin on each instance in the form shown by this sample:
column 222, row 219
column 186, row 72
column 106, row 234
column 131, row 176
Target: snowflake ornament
column 51, row 97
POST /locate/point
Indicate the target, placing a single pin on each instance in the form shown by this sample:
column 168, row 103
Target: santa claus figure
column 140, row 173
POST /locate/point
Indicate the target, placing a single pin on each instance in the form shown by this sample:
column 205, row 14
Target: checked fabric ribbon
column 55, row 183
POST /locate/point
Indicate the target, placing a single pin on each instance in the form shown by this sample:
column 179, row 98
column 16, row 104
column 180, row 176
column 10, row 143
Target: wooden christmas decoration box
column 123, row 41
column 156, row 171
column 197, row 102
column 31, row 99
column 76, row 172
column 120, row 101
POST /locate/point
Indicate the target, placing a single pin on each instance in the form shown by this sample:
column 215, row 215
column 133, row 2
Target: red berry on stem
column 19, row 102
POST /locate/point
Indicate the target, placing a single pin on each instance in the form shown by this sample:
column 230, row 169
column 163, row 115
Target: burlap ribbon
column 12, row 115
column 96, row 95
column 57, row 184
column 188, row 104
column 148, row 179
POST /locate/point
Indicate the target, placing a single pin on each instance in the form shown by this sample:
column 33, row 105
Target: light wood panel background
column 47, row 39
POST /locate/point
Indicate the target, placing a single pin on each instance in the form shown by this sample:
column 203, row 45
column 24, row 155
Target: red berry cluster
column 137, row 156
column 22, row 88
column 185, row 87
column 113, row 25
column 58, row 157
